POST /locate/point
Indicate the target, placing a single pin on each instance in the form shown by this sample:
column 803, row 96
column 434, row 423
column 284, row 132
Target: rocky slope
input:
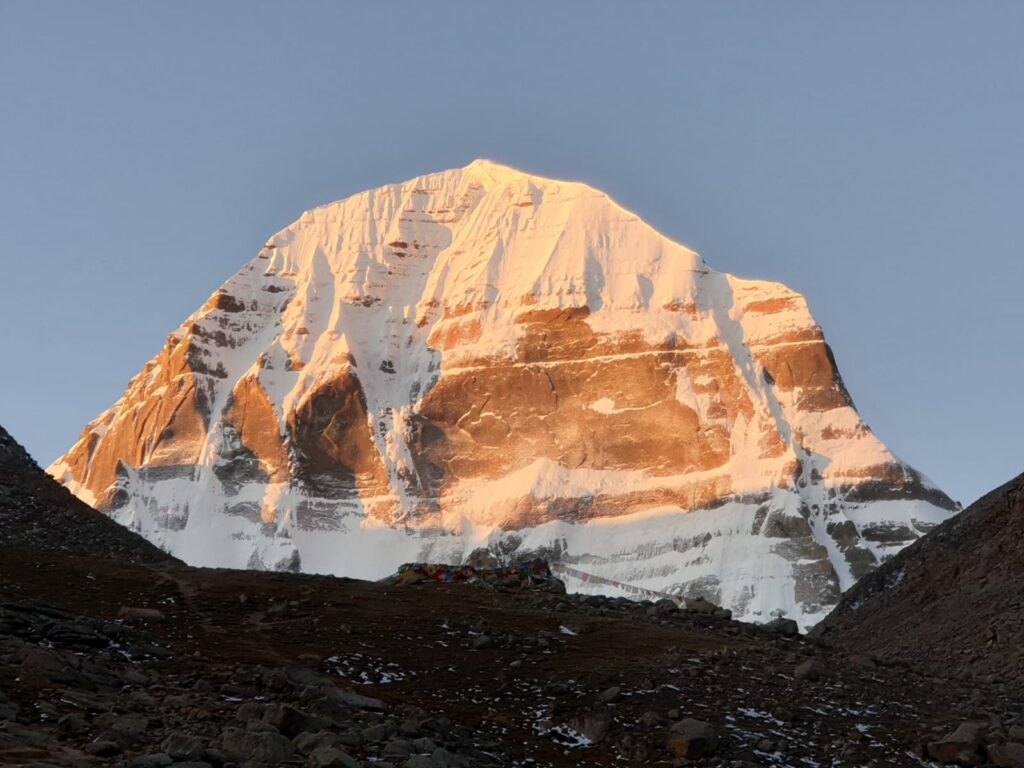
column 953, row 601
column 37, row 513
column 107, row 660
column 482, row 364
column 210, row 669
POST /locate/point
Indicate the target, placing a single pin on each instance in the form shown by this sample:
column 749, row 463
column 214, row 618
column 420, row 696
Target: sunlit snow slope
column 482, row 364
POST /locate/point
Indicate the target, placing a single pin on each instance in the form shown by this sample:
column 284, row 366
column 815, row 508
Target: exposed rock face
column 953, row 602
column 481, row 359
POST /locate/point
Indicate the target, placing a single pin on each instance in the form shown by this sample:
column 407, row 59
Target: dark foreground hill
column 37, row 512
column 953, row 602
column 113, row 655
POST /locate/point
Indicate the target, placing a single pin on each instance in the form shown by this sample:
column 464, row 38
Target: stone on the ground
column 442, row 758
column 811, row 670
column 785, row 627
column 140, row 614
column 665, row 607
column 959, row 745
column 609, row 694
column 239, row 745
column 183, row 746
column 331, row 757
column 592, row 725
column 398, row 748
column 351, row 699
column 650, row 719
column 307, row 742
column 1009, row 755
column 288, row 720
column 156, row 760
column 692, row 739
column 700, row 605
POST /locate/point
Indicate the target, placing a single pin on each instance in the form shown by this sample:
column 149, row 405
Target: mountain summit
column 481, row 364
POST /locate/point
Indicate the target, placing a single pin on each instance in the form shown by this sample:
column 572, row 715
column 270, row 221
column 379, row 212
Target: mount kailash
column 482, row 364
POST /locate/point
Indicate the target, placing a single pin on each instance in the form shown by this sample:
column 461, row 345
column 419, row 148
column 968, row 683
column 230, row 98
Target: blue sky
column 870, row 155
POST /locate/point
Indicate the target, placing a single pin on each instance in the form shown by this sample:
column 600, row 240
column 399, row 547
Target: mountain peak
column 498, row 173
column 494, row 169
column 482, row 363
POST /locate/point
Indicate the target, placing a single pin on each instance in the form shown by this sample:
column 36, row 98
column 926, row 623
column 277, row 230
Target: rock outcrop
column 482, row 362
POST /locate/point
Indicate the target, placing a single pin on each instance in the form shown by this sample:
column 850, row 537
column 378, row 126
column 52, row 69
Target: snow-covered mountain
column 482, row 363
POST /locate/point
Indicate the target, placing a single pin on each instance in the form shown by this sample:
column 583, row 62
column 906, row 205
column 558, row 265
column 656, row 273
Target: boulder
column 156, row 760
column 700, row 605
column 649, row 720
column 692, row 739
column 665, row 607
column 331, row 757
column 103, row 748
column 958, row 746
column 242, row 746
column 182, row 746
column 442, row 758
column 1009, row 755
column 132, row 613
column 399, row 749
column 346, row 699
column 784, row 627
column 609, row 694
column 810, row 670
column 592, row 725
column 290, row 721
column 8, row 710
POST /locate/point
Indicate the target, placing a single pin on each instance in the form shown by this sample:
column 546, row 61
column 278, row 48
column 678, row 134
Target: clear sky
column 868, row 154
